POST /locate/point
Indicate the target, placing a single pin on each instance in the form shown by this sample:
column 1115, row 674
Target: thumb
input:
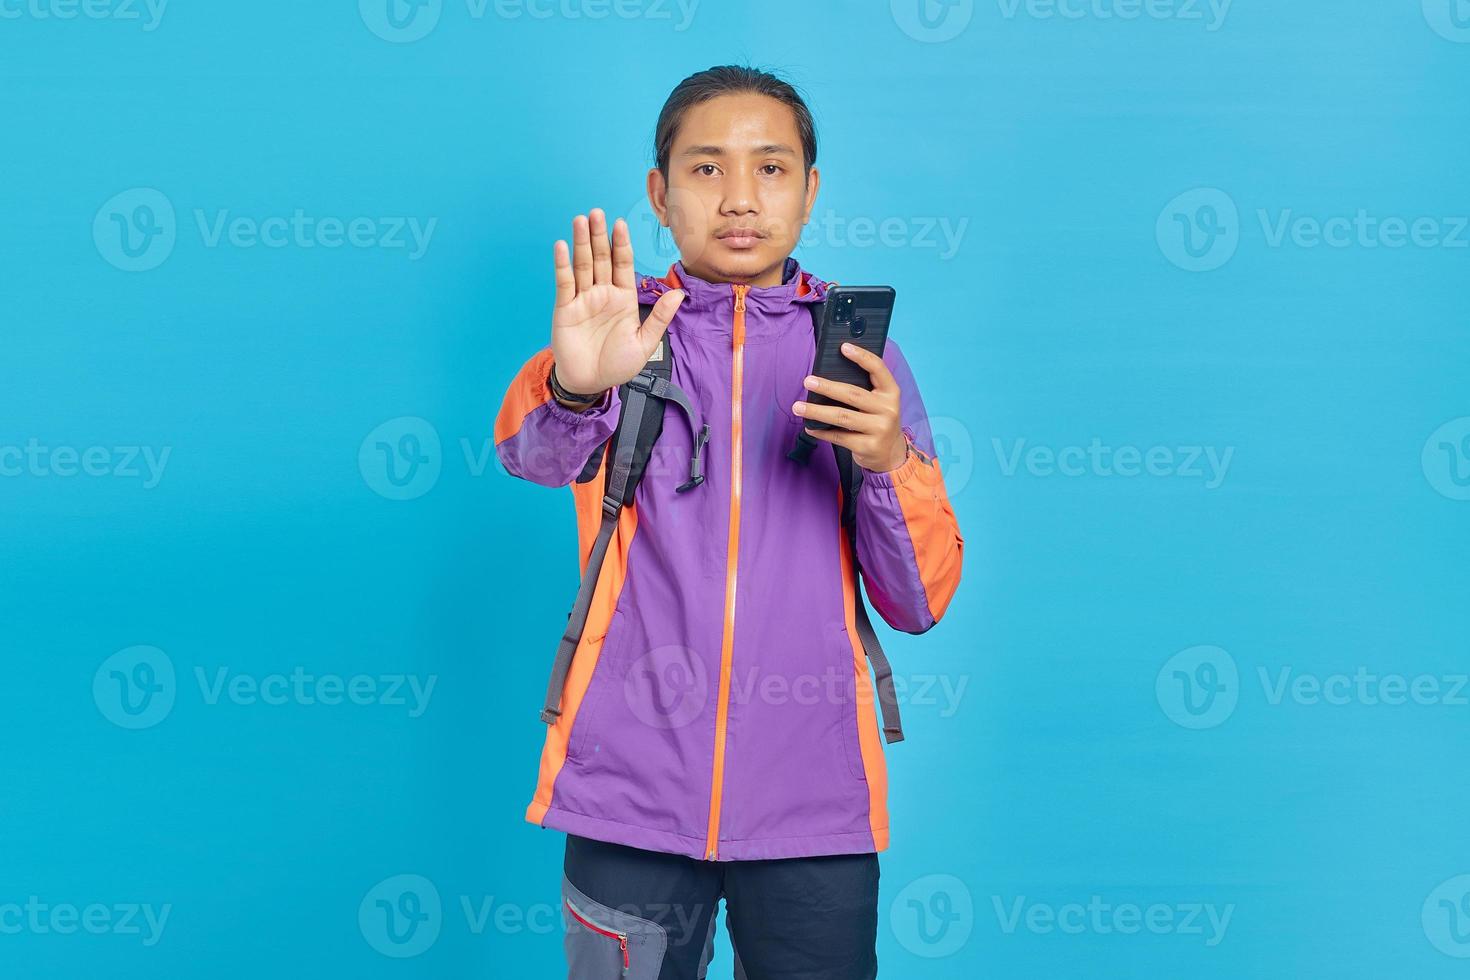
column 659, row 318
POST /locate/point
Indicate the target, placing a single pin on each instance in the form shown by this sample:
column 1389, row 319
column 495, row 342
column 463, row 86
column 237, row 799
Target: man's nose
column 740, row 195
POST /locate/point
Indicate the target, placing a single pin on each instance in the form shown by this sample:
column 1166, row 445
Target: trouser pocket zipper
column 621, row 937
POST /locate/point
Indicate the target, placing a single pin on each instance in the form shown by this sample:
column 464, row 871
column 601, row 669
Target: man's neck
column 774, row 276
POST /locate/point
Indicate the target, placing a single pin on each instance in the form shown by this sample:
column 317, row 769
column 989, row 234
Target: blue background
column 1072, row 764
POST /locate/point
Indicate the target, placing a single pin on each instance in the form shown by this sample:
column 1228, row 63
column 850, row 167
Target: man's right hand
column 596, row 340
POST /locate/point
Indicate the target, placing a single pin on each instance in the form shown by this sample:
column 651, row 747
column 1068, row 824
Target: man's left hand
column 868, row 420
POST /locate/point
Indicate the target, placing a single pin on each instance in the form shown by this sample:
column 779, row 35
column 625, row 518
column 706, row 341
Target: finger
column 581, row 253
column 601, row 254
column 839, row 437
column 566, row 286
column 846, row 418
column 622, row 256
column 873, row 364
column 659, row 319
column 859, row 398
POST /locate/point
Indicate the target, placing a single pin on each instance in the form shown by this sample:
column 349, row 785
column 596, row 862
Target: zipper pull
column 740, row 298
column 623, row 945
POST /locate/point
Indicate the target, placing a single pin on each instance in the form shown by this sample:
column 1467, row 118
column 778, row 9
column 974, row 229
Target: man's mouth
column 740, row 237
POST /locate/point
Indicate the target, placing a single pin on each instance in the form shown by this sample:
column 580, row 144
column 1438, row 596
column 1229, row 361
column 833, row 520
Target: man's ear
column 813, row 182
column 658, row 194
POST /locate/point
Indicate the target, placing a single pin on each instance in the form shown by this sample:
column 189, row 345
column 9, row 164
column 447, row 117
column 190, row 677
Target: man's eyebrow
column 710, row 150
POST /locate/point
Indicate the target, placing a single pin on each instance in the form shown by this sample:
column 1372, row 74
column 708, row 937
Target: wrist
column 898, row 458
column 575, row 400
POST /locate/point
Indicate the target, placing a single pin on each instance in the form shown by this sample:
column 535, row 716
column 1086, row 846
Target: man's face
column 736, row 197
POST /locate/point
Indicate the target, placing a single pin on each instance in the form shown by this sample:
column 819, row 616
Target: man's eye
column 706, row 169
column 772, row 168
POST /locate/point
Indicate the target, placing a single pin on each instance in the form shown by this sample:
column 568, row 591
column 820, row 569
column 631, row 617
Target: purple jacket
column 719, row 705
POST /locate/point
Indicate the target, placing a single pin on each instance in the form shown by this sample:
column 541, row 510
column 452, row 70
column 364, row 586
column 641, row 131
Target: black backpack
column 628, row 450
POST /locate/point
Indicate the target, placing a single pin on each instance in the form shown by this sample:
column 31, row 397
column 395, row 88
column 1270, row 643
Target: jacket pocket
column 604, row 676
column 794, row 352
column 847, row 697
column 603, row 943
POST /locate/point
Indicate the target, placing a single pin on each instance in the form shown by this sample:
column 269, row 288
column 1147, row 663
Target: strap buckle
column 643, row 381
column 696, row 462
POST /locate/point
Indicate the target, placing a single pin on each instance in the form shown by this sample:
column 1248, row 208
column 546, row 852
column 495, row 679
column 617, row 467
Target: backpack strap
column 851, row 476
column 852, row 482
column 627, row 452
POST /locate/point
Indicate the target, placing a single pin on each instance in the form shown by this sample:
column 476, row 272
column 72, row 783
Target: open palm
column 597, row 341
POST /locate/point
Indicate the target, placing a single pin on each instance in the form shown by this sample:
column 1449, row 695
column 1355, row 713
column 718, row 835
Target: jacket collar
column 708, row 307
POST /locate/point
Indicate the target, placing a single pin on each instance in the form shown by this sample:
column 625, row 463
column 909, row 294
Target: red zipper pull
column 740, row 298
column 621, row 937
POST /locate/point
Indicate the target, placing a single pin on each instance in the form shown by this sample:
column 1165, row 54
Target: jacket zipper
column 621, row 937
column 727, row 645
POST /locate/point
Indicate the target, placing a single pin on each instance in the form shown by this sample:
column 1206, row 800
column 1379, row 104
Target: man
column 715, row 734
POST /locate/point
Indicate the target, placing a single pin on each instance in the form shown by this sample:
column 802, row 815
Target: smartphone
column 852, row 314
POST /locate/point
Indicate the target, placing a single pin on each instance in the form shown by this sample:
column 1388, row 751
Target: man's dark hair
column 730, row 80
